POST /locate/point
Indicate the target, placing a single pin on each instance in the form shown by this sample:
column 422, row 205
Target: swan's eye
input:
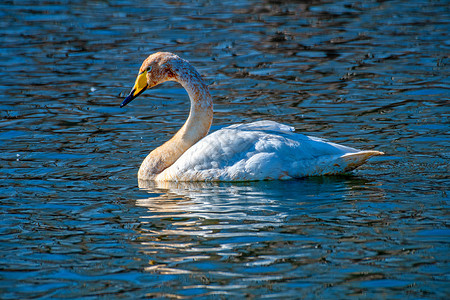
column 149, row 68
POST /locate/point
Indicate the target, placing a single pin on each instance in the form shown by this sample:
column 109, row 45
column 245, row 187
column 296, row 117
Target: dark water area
column 368, row 74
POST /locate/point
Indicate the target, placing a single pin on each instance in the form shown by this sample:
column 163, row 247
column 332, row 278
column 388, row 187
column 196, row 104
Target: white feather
column 261, row 150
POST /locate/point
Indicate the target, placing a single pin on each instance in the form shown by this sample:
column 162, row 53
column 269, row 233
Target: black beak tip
column 127, row 100
column 131, row 96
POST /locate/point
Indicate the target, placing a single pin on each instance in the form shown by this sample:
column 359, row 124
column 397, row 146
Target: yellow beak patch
column 139, row 87
column 141, row 83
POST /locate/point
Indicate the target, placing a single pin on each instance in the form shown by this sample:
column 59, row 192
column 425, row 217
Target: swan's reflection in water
column 203, row 220
column 238, row 233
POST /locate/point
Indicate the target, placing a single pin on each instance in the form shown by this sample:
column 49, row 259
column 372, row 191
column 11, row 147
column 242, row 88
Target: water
column 74, row 224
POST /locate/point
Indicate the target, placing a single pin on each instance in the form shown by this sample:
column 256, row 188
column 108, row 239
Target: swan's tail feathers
column 354, row 160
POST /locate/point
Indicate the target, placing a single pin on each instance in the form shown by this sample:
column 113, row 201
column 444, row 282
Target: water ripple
column 371, row 74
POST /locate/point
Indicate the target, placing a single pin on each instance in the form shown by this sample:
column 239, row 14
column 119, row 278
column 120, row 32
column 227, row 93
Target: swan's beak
column 139, row 87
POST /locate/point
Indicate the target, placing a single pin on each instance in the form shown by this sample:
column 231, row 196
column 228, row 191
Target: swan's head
column 156, row 69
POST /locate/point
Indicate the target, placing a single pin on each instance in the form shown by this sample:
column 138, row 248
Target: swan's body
column 257, row 151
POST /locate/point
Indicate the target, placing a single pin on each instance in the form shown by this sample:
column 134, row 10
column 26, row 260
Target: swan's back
column 262, row 150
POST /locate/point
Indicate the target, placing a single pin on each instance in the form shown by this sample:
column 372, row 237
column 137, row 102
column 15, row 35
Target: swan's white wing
column 258, row 151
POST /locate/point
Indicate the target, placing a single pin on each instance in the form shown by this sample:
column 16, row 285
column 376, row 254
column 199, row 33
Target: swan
column 262, row 150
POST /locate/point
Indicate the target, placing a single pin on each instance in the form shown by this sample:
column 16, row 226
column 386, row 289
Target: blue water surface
column 75, row 224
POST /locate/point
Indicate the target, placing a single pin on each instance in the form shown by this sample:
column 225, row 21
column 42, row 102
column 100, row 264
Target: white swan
column 260, row 150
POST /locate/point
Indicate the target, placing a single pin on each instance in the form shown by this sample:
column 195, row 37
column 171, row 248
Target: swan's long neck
column 195, row 128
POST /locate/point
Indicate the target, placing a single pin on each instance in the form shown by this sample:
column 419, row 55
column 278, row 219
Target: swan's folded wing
column 248, row 152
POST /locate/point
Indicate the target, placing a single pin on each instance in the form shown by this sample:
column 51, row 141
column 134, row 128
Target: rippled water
column 370, row 74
